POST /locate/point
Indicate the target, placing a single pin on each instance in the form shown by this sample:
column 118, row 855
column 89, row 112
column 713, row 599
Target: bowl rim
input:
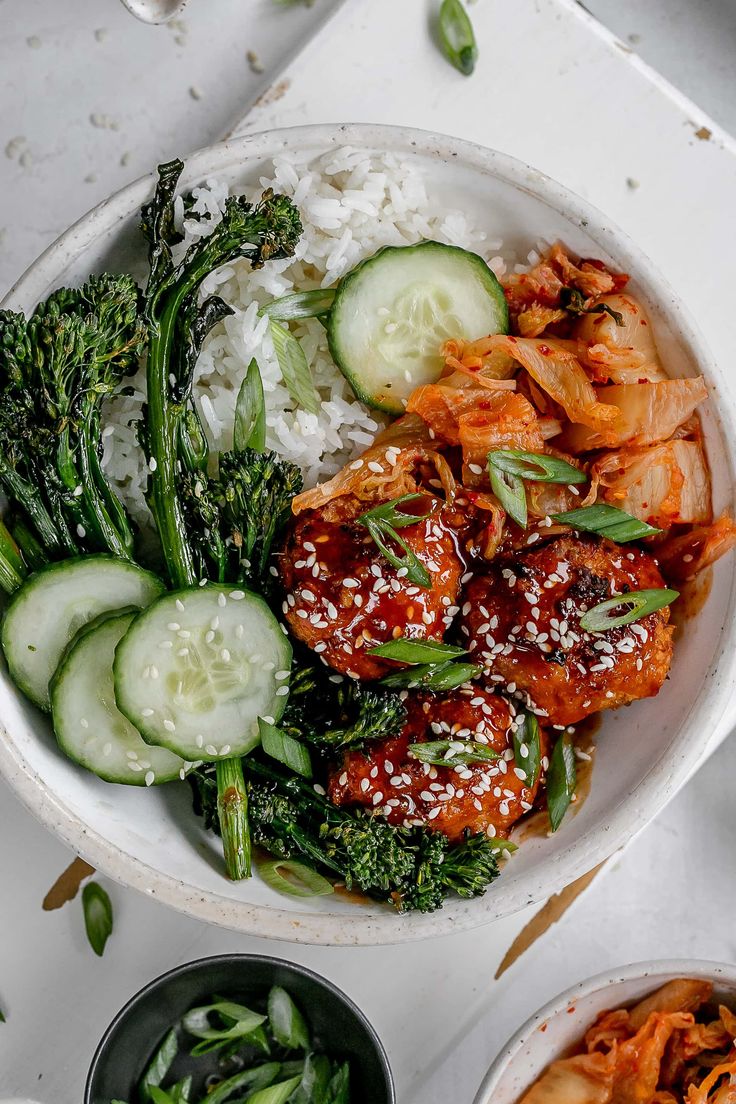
column 237, row 960
column 637, row 971
column 656, row 786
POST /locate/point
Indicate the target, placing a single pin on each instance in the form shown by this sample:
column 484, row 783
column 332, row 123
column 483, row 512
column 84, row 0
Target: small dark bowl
column 339, row 1028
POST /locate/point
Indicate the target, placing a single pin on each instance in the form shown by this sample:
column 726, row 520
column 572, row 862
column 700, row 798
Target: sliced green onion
column 97, row 916
column 301, row 304
column 416, row 572
column 383, row 521
column 159, row 1065
column 260, row 1077
column 640, row 603
column 242, row 1024
column 537, row 467
column 527, row 748
column 295, row 369
column 284, row 748
column 607, row 521
column 294, row 879
column 503, row 845
column 181, row 1091
column 561, row 778
column 315, row 1080
column 287, row 1023
column 451, row 753
column 339, row 1090
column 389, row 514
column 431, row 676
column 249, row 430
column 160, row 1096
column 276, row 1094
column 510, row 492
column 417, row 651
column 457, row 37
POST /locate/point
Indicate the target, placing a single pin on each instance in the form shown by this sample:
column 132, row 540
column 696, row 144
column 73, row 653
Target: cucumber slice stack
column 198, row 668
column 394, row 311
column 57, row 601
column 89, row 727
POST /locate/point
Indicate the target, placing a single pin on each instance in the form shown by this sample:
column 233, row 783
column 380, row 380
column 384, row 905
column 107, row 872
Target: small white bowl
column 562, row 1023
column 151, row 841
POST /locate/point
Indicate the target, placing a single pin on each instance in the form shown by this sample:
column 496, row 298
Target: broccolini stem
column 28, row 497
column 31, row 550
column 113, row 507
column 12, row 568
column 232, row 809
column 163, row 436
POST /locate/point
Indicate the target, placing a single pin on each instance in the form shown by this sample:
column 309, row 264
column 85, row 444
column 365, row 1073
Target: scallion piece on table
column 294, row 879
column 607, row 521
column 561, row 778
column 382, row 523
column 636, row 604
column 527, row 748
column 509, row 468
column 288, row 1026
column 300, row 304
column 295, row 369
column 417, row 651
column 432, row 676
column 457, row 37
column 97, row 916
column 284, row 748
column 249, row 429
column 451, row 753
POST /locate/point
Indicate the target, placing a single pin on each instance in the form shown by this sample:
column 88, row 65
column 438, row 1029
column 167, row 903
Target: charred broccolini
column 56, row 369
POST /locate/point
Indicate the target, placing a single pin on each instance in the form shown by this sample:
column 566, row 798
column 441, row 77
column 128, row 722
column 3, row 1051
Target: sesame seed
column 152, row 464
column 179, row 604
column 282, row 691
column 237, row 595
column 169, row 726
column 150, row 778
column 211, row 749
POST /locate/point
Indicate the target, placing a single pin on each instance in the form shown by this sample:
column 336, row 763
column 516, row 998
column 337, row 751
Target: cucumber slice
column 89, row 727
column 198, row 668
column 55, row 602
column 394, row 311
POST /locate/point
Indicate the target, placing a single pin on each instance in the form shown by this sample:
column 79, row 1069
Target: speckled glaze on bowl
column 150, row 840
column 338, row 1027
column 559, row 1025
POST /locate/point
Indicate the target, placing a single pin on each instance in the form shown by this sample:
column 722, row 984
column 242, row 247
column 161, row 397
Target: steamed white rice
column 352, row 203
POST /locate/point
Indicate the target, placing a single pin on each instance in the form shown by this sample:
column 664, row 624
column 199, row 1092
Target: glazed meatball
column 344, row 597
column 487, row 797
column 522, row 620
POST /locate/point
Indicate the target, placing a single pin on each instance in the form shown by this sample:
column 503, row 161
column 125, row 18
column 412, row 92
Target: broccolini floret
column 56, row 369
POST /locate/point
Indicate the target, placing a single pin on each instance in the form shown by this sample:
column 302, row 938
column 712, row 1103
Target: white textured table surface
column 668, row 894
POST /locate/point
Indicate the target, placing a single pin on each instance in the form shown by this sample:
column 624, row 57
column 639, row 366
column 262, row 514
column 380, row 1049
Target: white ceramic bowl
column 562, row 1023
column 150, row 840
